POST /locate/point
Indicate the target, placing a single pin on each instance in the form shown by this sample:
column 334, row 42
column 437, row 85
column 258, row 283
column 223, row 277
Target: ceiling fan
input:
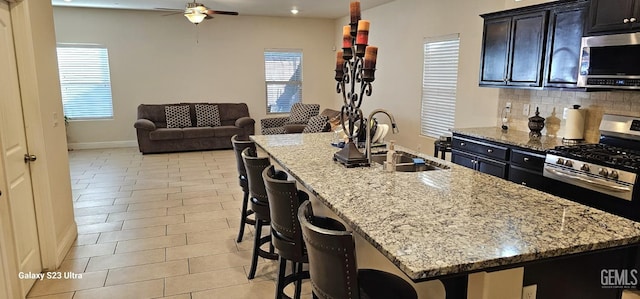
column 197, row 12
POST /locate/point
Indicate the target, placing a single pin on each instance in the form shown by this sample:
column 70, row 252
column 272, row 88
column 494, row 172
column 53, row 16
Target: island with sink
column 451, row 221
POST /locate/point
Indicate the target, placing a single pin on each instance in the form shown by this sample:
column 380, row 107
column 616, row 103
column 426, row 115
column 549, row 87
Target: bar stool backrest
column 238, row 147
column 332, row 258
column 284, row 201
column 255, row 165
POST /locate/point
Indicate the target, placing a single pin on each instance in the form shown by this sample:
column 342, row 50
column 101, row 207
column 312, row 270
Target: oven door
column 613, row 188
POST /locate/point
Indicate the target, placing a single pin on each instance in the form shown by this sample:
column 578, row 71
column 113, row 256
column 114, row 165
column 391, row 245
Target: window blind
column 85, row 81
column 439, row 83
column 283, row 78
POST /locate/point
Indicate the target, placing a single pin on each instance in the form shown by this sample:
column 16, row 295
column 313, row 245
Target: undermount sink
column 404, row 162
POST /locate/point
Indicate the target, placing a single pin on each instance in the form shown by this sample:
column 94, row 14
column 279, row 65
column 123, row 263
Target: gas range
column 609, row 168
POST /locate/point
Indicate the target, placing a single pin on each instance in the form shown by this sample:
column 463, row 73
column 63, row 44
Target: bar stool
column 444, row 146
column 332, row 264
column 238, row 147
column 284, row 200
column 260, row 206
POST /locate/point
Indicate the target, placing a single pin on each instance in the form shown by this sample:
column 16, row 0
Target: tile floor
column 164, row 226
column 158, row 226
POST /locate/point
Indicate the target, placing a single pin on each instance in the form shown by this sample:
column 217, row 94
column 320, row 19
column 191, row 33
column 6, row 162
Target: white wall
column 398, row 29
column 166, row 59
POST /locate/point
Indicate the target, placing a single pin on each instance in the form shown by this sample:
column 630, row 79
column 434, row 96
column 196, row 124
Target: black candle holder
column 354, row 82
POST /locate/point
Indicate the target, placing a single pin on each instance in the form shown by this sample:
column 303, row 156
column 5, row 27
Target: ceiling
column 281, row 8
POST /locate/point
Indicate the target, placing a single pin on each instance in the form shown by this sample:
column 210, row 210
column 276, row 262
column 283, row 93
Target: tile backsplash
column 552, row 104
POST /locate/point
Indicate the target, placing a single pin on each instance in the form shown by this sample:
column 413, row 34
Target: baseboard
column 65, row 244
column 105, row 144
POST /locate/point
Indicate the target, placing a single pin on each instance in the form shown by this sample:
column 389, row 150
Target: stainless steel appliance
column 603, row 175
column 610, row 61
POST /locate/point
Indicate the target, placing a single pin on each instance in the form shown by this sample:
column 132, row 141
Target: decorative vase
column 536, row 124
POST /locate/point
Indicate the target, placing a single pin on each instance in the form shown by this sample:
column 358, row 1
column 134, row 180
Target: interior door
column 14, row 147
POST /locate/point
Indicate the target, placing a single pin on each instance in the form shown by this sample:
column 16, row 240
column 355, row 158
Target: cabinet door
column 492, row 167
column 527, row 48
column 563, row 45
column 495, row 51
column 459, row 158
column 609, row 15
column 528, row 178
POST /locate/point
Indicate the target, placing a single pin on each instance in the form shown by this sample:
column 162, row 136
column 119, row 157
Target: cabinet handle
column 633, row 20
column 526, row 159
column 489, row 151
column 462, row 144
column 524, row 183
column 625, row 21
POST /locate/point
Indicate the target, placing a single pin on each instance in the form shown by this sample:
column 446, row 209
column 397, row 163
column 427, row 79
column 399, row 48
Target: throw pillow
column 316, row 124
column 300, row 113
column 177, row 116
column 207, row 115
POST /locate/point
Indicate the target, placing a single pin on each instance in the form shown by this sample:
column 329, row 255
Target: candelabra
column 355, row 68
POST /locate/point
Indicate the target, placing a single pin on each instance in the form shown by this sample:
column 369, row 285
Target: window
column 283, row 78
column 439, row 82
column 85, row 81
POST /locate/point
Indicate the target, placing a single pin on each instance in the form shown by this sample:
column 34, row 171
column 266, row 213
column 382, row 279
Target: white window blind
column 283, row 77
column 439, row 82
column 85, row 81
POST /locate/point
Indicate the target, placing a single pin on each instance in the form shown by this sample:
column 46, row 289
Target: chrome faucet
column 394, row 129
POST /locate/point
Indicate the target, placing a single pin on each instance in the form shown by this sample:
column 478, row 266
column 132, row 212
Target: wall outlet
column 529, row 292
column 525, row 110
column 507, row 107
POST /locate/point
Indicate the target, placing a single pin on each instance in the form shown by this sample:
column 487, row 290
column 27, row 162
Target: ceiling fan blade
column 208, row 17
column 167, row 9
column 221, row 12
column 173, row 13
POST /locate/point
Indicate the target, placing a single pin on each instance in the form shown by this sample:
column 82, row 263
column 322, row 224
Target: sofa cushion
column 195, row 132
column 177, row 116
column 273, row 131
column 227, row 131
column 166, row 134
column 207, row 115
column 300, row 113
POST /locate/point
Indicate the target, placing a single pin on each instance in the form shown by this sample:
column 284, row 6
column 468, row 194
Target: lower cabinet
column 484, row 165
column 528, row 178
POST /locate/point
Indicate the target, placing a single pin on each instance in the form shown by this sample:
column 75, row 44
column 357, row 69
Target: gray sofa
column 155, row 137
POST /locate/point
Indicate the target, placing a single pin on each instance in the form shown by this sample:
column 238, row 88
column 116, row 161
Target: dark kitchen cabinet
column 479, row 155
column 566, row 27
column 526, row 168
column 613, row 16
column 533, row 47
column 512, row 49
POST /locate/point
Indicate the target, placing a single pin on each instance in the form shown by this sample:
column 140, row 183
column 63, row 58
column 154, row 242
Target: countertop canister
column 574, row 128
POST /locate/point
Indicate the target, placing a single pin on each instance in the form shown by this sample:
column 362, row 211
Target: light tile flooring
column 164, row 226
column 154, row 226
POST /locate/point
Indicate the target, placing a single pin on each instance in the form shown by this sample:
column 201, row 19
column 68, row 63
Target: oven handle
column 596, row 182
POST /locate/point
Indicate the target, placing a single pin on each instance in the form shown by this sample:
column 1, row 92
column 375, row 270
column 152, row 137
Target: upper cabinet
column 512, row 49
column 533, row 47
column 613, row 16
column 564, row 36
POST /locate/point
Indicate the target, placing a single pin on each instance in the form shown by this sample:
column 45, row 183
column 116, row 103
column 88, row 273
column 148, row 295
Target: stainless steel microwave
column 610, row 61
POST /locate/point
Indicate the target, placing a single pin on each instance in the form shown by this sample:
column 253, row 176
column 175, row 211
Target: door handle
column 29, row 158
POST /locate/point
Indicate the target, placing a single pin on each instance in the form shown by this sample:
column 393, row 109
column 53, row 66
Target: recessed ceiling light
column 294, row 11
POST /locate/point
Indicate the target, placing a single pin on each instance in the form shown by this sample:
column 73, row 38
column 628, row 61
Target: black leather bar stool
column 284, row 201
column 333, row 268
column 238, row 147
column 260, row 206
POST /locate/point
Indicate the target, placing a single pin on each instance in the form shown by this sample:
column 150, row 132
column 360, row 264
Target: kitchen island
column 445, row 223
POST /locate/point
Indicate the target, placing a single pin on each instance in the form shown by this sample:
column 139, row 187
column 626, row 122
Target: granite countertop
column 511, row 137
column 443, row 222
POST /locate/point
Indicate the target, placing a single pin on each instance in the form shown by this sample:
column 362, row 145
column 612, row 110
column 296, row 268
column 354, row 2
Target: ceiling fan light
column 195, row 17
